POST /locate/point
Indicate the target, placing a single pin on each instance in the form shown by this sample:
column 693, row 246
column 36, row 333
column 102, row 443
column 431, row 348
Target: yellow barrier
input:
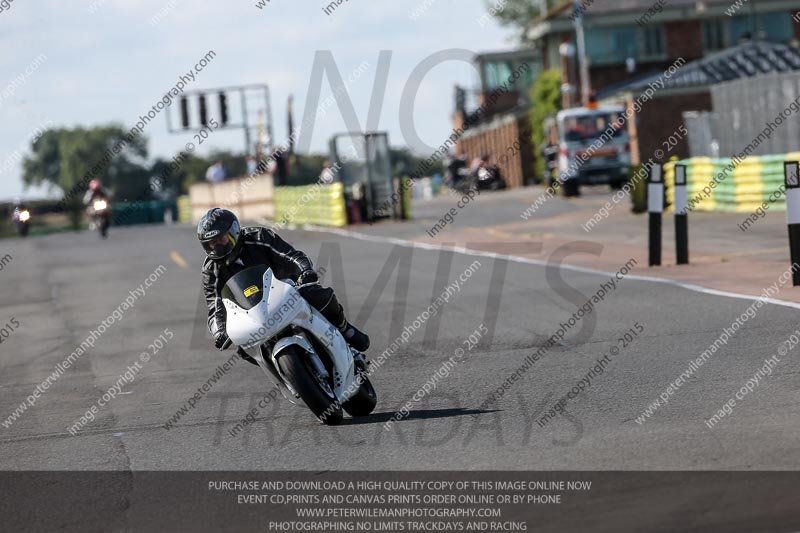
column 184, row 209
column 318, row 204
column 740, row 187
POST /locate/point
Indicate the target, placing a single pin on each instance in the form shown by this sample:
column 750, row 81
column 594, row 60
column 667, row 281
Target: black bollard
column 655, row 208
column 681, row 217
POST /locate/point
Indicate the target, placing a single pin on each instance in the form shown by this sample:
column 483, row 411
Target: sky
column 91, row 62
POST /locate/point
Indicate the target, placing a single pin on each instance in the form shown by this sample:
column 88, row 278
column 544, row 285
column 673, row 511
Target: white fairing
column 283, row 306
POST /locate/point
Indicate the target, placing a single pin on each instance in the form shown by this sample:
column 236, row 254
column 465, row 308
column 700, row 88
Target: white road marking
column 538, row 262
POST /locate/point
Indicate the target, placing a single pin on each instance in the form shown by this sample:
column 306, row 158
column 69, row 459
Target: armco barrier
column 742, row 189
column 319, row 204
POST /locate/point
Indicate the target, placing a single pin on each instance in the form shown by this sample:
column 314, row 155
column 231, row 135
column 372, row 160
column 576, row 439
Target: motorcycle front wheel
column 303, row 379
column 364, row 401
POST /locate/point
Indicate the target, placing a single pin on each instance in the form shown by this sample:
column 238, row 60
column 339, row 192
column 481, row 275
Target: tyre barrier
column 737, row 187
column 319, row 204
column 184, row 209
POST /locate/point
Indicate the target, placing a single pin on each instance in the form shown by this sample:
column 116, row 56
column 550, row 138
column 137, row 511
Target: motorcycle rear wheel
column 302, row 379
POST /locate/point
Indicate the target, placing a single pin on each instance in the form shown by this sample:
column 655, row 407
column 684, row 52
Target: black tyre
column 364, row 401
column 571, row 188
column 298, row 373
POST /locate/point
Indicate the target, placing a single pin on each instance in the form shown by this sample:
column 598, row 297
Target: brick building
column 689, row 89
column 627, row 42
column 630, row 44
column 502, row 131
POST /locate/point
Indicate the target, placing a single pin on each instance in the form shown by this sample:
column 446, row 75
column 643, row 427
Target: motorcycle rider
column 20, row 217
column 95, row 192
column 19, row 207
column 230, row 249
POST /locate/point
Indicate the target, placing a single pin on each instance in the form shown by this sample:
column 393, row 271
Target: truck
column 593, row 148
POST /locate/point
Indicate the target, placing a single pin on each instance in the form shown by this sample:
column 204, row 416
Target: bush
column 638, row 190
column 545, row 101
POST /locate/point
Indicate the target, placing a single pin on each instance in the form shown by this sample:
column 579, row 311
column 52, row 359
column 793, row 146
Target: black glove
column 222, row 341
column 307, row 276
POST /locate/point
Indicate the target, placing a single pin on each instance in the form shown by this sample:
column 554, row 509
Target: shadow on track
column 421, row 414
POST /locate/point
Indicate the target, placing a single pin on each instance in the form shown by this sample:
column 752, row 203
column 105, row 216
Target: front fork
column 313, row 357
column 361, row 363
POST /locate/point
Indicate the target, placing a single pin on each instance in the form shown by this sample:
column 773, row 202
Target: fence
column 741, row 110
column 150, row 212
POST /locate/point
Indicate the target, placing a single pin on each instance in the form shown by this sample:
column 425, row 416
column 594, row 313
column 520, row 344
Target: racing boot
column 354, row 337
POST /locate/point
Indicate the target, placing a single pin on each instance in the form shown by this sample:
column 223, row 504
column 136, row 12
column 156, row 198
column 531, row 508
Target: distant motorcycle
column 22, row 221
column 459, row 176
column 298, row 349
column 489, row 177
column 99, row 216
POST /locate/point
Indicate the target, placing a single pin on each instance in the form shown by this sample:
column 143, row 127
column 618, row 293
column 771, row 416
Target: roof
column 745, row 60
column 612, row 7
column 506, row 54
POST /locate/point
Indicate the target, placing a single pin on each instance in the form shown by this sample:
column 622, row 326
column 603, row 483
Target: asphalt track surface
column 60, row 287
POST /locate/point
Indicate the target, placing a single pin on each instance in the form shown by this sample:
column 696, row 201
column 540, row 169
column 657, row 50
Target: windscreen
column 246, row 288
column 591, row 127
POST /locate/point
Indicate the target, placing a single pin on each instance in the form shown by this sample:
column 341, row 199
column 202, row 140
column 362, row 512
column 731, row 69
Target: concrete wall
column 248, row 197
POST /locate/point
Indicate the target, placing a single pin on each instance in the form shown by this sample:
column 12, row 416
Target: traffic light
column 223, row 108
column 203, row 110
column 184, row 112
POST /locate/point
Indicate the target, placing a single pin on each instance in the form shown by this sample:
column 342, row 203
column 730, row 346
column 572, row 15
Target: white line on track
column 526, row 260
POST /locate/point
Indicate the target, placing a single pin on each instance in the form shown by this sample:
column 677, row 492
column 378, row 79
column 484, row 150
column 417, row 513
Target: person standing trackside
column 216, row 173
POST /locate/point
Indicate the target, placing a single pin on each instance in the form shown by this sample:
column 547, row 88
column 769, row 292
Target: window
column 715, row 35
column 589, row 127
column 496, row 74
column 770, row 26
column 652, row 44
column 528, row 75
column 609, row 46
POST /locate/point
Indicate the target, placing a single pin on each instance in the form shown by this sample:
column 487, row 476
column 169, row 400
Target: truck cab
column 592, row 147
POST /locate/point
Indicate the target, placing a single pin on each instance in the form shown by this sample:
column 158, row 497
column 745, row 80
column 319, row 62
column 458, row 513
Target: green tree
column 545, row 101
column 305, row 169
column 70, row 158
column 404, row 163
column 193, row 168
column 516, row 14
column 44, row 167
column 172, row 179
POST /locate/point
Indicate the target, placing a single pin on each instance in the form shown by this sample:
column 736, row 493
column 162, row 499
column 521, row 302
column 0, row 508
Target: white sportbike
column 296, row 346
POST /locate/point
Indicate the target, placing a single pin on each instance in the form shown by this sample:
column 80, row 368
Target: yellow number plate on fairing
column 249, row 291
